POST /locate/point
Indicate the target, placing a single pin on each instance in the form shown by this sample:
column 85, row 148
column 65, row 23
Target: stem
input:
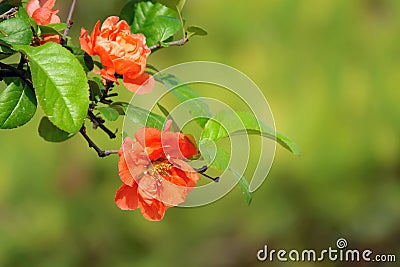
column 98, row 123
column 109, row 85
column 9, row 14
column 202, row 171
column 69, row 21
column 17, row 73
column 180, row 42
column 100, row 153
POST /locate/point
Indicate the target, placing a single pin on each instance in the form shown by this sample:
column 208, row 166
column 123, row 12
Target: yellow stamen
column 162, row 167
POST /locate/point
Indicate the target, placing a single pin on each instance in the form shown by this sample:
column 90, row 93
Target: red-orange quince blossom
column 41, row 11
column 154, row 173
column 120, row 52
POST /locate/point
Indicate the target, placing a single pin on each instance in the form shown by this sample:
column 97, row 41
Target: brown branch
column 100, row 153
column 107, row 88
column 97, row 123
column 180, row 42
column 9, row 14
column 202, row 171
column 69, row 21
column 17, row 73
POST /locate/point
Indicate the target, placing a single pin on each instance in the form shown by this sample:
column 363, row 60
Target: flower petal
column 109, row 22
column 32, row 6
column 153, row 210
column 132, row 163
column 55, row 38
column 126, row 197
column 45, row 15
column 140, row 85
column 150, row 138
column 177, row 145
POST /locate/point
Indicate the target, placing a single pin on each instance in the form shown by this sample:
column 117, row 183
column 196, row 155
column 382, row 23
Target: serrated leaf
column 15, row 31
column 51, row 133
column 17, row 105
column 156, row 21
column 197, row 107
column 195, row 30
column 60, row 83
column 109, row 113
column 227, row 123
column 163, row 27
column 141, row 116
column 244, row 186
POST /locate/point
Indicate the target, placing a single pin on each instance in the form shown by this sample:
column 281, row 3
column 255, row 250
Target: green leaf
column 5, row 51
column 95, row 92
column 84, row 59
column 17, row 105
column 244, row 186
column 141, row 116
column 60, row 83
column 174, row 126
column 51, row 133
column 156, row 21
column 287, row 143
column 127, row 12
column 196, row 106
column 15, row 31
column 227, row 123
column 144, row 13
column 163, row 27
column 173, row 4
column 54, row 28
column 194, row 30
column 215, row 157
column 109, row 113
column 280, row 138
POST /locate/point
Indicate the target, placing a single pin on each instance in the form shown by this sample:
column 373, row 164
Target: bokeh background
column 330, row 71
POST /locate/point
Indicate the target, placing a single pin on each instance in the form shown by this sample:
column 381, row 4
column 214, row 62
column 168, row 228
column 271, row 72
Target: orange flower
column 41, row 11
column 120, row 52
column 153, row 171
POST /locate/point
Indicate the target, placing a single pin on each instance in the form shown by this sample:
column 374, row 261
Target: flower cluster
column 121, row 52
column 154, row 172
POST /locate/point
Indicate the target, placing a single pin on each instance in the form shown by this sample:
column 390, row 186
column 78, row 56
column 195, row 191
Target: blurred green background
column 330, row 71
